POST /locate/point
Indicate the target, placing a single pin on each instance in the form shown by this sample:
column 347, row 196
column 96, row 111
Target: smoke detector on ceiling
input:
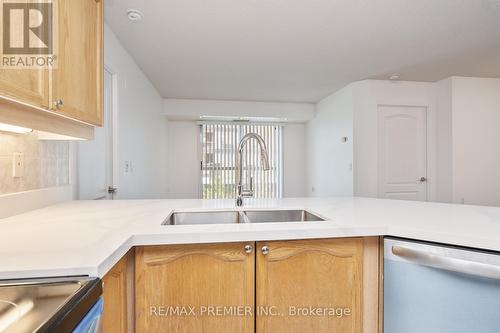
column 134, row 15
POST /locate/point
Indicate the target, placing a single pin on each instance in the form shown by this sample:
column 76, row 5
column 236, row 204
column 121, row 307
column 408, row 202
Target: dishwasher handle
column 447, row 263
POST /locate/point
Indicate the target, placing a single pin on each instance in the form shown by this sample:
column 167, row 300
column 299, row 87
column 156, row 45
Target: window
column 219, row 144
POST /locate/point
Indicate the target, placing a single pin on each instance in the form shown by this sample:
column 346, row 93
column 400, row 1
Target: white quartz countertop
column 89, row 237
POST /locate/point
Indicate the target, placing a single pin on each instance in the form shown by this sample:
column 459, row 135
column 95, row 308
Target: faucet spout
column 264, row 159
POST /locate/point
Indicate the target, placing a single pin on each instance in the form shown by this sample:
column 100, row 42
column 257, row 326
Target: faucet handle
column 248, row 193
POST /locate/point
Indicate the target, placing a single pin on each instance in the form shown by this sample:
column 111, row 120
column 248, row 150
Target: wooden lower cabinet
column 184, row 288
column 326, row 285
column 317, row 286
column 118, row 315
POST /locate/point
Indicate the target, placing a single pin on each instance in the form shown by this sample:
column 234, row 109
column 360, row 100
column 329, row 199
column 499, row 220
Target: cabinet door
column 29, row 85
column 294, row 278
column 77, row 79
column 184, row 288
column 25, row 85
column 117, row 294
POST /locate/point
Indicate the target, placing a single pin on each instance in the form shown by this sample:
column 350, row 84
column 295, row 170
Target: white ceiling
column 303, row 50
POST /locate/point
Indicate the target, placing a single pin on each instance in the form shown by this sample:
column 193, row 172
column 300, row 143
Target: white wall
column 184, row 159
column 476, row 140
column 368, row 95
column 329, row 161
column 294, row 160
column 444, row 189
column 353, row 112
column 463, row 138
column 141, row 126
column 192, row 109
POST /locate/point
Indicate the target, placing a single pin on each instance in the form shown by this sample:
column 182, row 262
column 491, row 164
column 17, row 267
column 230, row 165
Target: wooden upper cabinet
column 77, row 79
column 171, row 280
column 74, row 86
column 29, row 86
column 297, row 276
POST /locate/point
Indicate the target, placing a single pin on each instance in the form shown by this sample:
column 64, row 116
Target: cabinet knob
column 265, row 250
column 423, row 179
column 58, row 103
column 248, row 248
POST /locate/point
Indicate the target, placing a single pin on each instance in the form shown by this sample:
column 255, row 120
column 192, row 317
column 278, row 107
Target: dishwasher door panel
column 423, row 299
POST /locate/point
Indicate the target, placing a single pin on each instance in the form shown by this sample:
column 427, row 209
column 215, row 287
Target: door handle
column 112, row 190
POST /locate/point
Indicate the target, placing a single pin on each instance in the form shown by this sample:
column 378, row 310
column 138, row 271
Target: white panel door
column 402, row 152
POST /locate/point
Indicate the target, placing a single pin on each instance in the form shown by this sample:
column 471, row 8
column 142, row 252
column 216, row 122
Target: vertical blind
column 219, row 144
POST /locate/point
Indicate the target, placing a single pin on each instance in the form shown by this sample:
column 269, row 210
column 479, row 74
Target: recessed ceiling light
column 394, row 76
column 134, row 15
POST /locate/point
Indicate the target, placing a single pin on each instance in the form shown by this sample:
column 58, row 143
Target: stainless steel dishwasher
column 430, row 288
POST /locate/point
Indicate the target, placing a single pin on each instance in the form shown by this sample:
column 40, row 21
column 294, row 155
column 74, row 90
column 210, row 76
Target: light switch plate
column 17, row 165
column 129, row 168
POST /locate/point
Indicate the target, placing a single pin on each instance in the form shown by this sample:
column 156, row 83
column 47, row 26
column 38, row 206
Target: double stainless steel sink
column 246, row 216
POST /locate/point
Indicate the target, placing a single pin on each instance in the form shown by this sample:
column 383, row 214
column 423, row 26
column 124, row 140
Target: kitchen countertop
column 89, row 237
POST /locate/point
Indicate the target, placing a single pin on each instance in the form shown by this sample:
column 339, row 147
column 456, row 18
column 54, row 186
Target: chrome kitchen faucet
column 264, row 159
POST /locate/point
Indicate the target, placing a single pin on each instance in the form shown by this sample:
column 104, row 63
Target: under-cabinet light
column 14, row 129
column 48, row 136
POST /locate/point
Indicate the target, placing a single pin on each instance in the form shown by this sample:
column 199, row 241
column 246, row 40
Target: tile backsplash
column 46, row 163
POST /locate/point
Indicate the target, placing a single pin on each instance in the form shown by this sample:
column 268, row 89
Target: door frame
column 114, row 128
column 430, row 146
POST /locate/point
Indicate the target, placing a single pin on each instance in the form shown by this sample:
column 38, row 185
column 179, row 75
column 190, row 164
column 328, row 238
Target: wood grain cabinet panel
column 74, row 86
column 184, row 277
column 30, row 86
column 77, row 79
column 118, row 296
column 296, row 277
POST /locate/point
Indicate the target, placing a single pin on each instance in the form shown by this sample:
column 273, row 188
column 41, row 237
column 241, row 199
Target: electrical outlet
column 17, row 165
